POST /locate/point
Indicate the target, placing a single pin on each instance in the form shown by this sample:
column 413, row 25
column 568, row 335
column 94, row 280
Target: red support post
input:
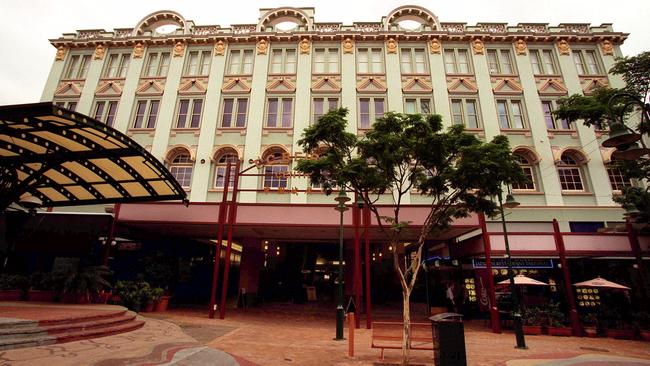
column 487, row 247
column 356, row 221
column 636, row 251
column 111, row 233
column 217, row 252
column 366, row 225
column 232, row 218
column 573, row 312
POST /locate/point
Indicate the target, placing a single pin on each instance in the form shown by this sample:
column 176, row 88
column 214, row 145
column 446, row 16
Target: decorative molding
column 150, row 87
column 138, row 50
column 280, row 85
column 60, row 53
column 108, row 89
column 462, row 86
column 579, row 153
column 371, row 85
column 606, row 154
column 305, row 46
column 262, row 46
column 179, row 49
column 563, row 47
column 552, row 87
column 219, row 48
column 100, row 50
column 478, row 46
column 326, row 84
column 391, row 45
column 590, row 84
column 348, row 45
column 236, row 86
column 435, row 46
column 507, row 86
column 530, row 153
column 416, row 86
column 174, row 149
column 192, row 87
column 521, row 47
column 68, row 89
column 607, row 47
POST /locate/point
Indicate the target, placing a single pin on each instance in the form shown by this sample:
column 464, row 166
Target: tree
column 604, row 106
column 456, row 170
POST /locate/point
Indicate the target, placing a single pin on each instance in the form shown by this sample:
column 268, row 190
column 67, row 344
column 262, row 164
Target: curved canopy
column 599, row 282
column 64, row 158
column 521, row 280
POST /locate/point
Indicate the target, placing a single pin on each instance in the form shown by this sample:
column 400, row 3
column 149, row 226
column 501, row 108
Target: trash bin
column 449, row 339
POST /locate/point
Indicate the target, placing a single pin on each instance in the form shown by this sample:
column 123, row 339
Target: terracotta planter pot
column 161, row 304
column 75, row 298
column 560, row 331
column 590, row 332
column 40, row 295
column 11, row 295
column 149, row 307
column 532, row 329
column 645, row 334
column 620, row 333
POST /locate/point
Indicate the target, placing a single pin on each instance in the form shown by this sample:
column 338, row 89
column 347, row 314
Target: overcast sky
column 27, row 25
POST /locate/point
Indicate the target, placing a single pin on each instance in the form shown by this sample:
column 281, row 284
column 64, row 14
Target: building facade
column 201, row 96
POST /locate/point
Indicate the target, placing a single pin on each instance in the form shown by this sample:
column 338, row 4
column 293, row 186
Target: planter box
column 560, row 331
column 39, row 295
column 11, row 295
column 645, row 335
column 149, row 307
column 75, row 298
column 590, row 332
column 161, row 304
column 532, row 329
column 620, row 333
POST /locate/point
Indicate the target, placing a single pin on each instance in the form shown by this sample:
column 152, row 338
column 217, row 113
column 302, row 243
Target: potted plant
column 163, row 302
column 590, row 325
column 76, row 285
column 532, row 318
column 617, row 327
column 642, row 322
column 156, row 294
column 41, row 287
column 133, row 294
column 12, row 287
column 557, row 321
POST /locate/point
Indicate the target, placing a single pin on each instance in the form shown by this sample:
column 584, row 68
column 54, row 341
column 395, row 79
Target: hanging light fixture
column 620, row 135
column 510, row 202
column 630, row 152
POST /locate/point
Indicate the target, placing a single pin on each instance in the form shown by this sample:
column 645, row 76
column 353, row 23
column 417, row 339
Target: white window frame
column 372, row 110
column 373, row 67
column 530, row 170
column 242, row 54
column 498, row 68
column 202, row 68
column 235, row 112
column 103, row 114
column 418, row 104
column 328, row 60
column 619, row 182
column 224, row 156
column 537, row 55
column 326, row 107
column 464, row 112
column 160, row 69
column 556, row 121
column 284, row 61
column 455, row 51
column 182, row 167
column 121, row 60
column 77, row 67
column 185, row 121
column 510, row 114
column 581, row 61
column 146, row 116
column 572, row 169
column 413, row 64
column 280, row 112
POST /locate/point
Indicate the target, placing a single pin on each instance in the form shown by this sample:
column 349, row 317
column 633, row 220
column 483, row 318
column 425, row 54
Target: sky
column 27, row 25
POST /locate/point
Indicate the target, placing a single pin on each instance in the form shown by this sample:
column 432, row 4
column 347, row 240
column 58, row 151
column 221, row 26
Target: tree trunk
column 406, row 342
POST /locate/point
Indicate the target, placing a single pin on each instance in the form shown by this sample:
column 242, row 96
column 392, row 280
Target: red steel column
column 487, row 247
column 232, row 218
column 366, row 225
column 217, row 252
column 573, row 313
column 111, row 233
column 636, row 251
column 356, row 221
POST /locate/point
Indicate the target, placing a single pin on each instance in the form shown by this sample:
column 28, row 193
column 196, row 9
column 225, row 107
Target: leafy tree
column 605, row 106
column 457, row 171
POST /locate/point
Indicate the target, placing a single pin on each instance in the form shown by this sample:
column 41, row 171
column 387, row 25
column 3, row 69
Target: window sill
column 576, row 193
column 572, row 133
column 240, row 130
column 282, row 74
column 415, row 74
column 326, row 74
column 504, row 75
column 547, row 75
column 195, row 130
column 71, row 80
column 516, row 131
column 268, row 130
column 114, row 78
column 459, row 74
column 141, row 131
column 527, row 193
column 588, row 76
column 194, row 76
column 153, row 77
column 238, row 75
column 370, row 74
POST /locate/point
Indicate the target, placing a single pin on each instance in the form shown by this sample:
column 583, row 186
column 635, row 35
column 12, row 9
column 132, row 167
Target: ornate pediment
column 371, row 85
column 416, row 85
column 192, row 86
column 68, row 90
column 108, row 89
column 462, row 86
column 507, row 87
column 236, row 86
column 551, row 87
column 280, row 85
column 589, row 85
column 325, row 85
column 150, row 87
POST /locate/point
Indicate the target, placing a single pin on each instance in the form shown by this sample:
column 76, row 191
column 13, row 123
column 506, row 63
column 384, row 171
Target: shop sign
column 516, row 263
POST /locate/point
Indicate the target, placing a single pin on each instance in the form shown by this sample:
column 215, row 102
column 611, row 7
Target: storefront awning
column 64, row 158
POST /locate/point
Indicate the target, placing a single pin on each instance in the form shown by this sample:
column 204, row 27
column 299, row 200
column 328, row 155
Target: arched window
column 181, row 168
column 529, row 170
column 222, row 158
column 276, row 168
column 570, row 172
column 617, row 178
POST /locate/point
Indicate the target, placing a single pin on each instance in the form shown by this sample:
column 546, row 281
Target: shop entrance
column 299, row 272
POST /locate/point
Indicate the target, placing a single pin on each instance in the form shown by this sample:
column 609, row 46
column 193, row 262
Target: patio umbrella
column 521, row 280
column 599, row 282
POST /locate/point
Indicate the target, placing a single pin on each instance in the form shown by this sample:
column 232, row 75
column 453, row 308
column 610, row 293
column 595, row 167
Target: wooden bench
column 391, row 334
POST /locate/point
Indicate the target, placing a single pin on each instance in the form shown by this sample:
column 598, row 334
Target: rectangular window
column 543, row 62
column 553, row 123
column 234, row 112
column 105, row 111
column 326, row 61
column 413, row 61
column 322, row 105
column 279, row 112
column 77, row 67
column 240, row 62
column 70, row 104
column 465, row 112
column 117, row 65
column 157, row 64
column 511, row 114
column 413, row 105
column 570, row 178
column 283, row 61
column 457, row 61
column 500, row 62
column 370, row 61
column 617, row 178
column 370, row 109
column 189, row 113
column 276, row 176
column 146, row 113
column 198, row 63
column 586, row 62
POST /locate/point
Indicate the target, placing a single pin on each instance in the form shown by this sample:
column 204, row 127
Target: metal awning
column 65, row 158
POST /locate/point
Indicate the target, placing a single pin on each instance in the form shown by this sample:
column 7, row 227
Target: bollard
column 351, row 326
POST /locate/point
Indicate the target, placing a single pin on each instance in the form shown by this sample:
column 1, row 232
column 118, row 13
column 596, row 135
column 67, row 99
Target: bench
column 390, row 335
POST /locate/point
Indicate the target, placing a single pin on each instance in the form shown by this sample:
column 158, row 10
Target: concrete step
column 28, row 323
column 35, row 329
